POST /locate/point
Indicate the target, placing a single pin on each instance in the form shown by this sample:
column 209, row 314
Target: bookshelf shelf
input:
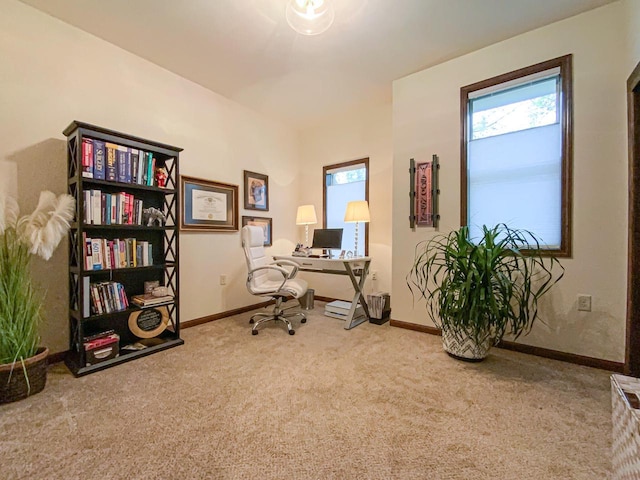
column 130, row 175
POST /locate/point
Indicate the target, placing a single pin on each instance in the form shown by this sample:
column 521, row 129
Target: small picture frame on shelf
column 208, row 205
column 256, row 191
column 265, row 223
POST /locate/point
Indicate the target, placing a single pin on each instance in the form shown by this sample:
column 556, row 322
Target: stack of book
column 149, row 300
column 101, row 346
column 340, row 309
column 103, row 208
column 107, row 297
column 101, row 253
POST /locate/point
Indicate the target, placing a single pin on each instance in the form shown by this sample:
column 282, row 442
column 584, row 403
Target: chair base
column 277, row 315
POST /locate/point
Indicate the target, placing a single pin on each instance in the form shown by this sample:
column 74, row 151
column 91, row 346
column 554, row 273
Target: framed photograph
column 208, row 205
column 256, row 191
column 265, row 223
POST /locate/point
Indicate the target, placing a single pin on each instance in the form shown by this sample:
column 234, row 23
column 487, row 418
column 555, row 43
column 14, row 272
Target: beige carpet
column 374, row 402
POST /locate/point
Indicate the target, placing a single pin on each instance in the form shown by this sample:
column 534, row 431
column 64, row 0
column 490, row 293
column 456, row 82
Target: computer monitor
column 327, row 238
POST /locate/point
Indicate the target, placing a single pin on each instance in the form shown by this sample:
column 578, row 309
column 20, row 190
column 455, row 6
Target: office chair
column 266, row 278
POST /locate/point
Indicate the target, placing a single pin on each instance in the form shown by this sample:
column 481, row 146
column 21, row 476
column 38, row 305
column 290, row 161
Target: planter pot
column 459, row 344
column 13, row 384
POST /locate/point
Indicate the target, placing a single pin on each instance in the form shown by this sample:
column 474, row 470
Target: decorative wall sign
column 208, row 205
column 424, row 197
column 423, row 193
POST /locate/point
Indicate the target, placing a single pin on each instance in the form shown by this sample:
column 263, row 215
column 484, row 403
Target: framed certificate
column 208, row 205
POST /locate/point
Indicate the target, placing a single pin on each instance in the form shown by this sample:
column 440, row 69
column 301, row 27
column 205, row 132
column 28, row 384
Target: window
column 343, row 183
column 516, row 153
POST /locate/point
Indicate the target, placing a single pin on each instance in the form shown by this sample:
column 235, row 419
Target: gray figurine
column 153, row 217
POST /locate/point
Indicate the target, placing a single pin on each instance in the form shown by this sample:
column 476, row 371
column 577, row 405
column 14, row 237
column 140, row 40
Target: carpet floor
column 374, row 402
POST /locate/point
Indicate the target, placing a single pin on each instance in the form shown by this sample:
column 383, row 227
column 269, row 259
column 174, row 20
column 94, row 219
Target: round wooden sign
column 149, row 322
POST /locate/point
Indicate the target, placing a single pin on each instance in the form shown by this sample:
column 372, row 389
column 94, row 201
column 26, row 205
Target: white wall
column 52, row 73
column 426, row 120
column 362, row 133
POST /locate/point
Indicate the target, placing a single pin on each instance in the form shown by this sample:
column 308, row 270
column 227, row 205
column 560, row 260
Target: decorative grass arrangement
column 20, row 302
column 484, row 287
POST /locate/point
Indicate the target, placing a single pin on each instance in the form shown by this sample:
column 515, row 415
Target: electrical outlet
column 223, row 279
column 584, row 303
column 374, row 275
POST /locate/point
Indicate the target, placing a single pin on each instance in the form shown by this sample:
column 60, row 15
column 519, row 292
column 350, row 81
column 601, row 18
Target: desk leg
column 358, row 297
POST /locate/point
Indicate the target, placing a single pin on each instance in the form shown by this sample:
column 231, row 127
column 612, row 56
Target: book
column 121, row 163
column 87, row 158
column 134, row 165
column 111, row 172
column 99, row 167
column 106, row 333
column 148, row 300
column 96, row 253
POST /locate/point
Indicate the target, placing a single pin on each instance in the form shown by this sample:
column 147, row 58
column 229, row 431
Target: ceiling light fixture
column 310, row 17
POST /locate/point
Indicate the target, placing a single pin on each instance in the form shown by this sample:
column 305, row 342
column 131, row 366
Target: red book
column 87, row 158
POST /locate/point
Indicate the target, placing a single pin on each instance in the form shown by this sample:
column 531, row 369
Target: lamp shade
column 357, row 211
column 306, row 215
column 310, row 17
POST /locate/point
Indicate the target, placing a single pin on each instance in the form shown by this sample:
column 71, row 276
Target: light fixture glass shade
column 306, row 215
column 357, row 211
column 310, row 17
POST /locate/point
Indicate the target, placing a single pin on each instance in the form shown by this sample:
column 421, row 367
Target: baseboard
column 218, row 316
column 324, row 299
column 56, row 357
column 528, row 349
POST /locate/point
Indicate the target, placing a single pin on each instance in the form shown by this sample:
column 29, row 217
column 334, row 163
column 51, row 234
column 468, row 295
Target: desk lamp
column 306, row 216
column 357, row 211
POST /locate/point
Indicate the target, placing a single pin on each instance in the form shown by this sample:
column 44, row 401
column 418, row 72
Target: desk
column 353, row 267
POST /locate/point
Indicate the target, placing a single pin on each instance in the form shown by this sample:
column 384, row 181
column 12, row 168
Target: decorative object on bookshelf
column 208, row 205
column 152, row 216
column 150, row 322
column 114, row 254
column 256, row 191
column 263, row 222
column 22, row 359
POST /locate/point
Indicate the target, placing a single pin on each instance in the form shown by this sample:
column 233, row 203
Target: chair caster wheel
column 292, row 332
column 254, row 332
column 304, row 320
column 251, row 321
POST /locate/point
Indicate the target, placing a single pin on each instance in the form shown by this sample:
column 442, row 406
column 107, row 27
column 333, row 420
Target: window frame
column 335, row 166
column 565, row 63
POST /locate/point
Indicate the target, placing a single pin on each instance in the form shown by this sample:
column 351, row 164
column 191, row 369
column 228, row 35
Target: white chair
column 267, row 278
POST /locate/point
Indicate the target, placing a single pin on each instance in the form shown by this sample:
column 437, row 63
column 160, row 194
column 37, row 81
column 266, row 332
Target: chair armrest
column 283, row 271
column 289, row 263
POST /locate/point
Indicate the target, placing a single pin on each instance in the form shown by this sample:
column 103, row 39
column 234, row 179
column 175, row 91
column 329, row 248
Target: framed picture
column 264, row 222
column 256, row 191
column 208, row 205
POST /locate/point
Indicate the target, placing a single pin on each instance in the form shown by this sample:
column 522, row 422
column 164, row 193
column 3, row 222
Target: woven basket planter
column 461, row 345
column 13, row 384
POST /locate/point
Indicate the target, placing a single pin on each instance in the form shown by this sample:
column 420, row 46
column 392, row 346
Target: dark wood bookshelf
column 164, row 239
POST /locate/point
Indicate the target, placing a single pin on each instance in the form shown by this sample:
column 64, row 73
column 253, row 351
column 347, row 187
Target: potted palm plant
column 478, row 290
column 22, row 358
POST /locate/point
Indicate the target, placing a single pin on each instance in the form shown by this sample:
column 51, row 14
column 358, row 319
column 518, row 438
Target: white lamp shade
column 306, row 215
column 357, row 211
column 310, row 17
